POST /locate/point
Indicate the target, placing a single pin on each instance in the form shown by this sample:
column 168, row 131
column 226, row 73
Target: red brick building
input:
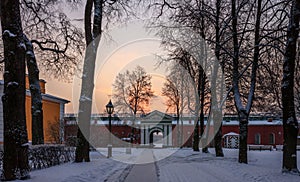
column 157, row 127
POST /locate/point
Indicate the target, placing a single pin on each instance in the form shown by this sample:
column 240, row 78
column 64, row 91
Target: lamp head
column 109, row 107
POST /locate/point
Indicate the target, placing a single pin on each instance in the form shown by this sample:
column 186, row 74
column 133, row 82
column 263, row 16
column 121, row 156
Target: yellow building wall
column 51, row 115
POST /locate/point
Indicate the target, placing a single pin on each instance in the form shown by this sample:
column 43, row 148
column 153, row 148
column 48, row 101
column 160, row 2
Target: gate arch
column 152, row 132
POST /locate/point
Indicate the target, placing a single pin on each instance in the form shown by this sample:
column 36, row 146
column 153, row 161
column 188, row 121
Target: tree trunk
column 242, row 112
column 202, row 95
column 290, row 123
column 36, row 97
column 218, row 142
column 199, row 106
column 15, row 159
column 196, row 126
column 217, row 114
column 206, row 137
column 181, row 129
column 93, row 37
column 243, row 124
column 178, row 126
column 196, row 136
column 201, row 86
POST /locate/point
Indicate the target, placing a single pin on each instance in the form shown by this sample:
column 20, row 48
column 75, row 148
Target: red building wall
column 99, row 133
column 263, row 130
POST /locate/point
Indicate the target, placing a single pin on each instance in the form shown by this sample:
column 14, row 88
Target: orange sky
column 131, row 46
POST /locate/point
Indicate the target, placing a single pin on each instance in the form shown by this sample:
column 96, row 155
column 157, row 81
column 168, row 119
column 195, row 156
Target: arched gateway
column 156, row 122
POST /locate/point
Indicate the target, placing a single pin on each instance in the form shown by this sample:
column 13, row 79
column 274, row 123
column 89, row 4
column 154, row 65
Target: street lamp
column 109, row 110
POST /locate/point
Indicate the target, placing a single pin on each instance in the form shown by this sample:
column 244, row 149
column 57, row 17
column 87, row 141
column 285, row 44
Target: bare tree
column 50, row 37
column 15, row 158
column 132, row 92
column 174, row 89
column 290, row 123
column 233, row 25
column 187, row 16
column 171, row 91
column 57, row 42
column 244, row 80
column 93, row 36
column 192, row 68
column 103, row 12
column 36, row 97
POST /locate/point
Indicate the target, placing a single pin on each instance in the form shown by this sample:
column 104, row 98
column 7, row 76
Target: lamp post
column 109, row 110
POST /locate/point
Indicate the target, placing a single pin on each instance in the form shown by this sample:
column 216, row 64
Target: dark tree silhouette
column 290, row 123
column 132, row 92
column 102, row 12
column 15, row 158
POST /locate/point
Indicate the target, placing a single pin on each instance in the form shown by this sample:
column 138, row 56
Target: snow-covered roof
column 231, row 134
column 54, row 98
column 257, row 122
column 121, row 121
column 159, row 117
column 45, row 96
column 51, row 98
column 185, row 122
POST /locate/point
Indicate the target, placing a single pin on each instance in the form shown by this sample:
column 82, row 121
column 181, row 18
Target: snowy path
column 143, row 172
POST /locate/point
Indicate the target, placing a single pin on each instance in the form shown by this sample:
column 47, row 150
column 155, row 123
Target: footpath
column 144, row 170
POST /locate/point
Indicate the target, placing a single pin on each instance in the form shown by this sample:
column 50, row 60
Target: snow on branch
column 7, row 33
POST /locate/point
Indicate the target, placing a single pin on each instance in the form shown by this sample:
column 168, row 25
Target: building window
column 271, row 138
column 257, row 139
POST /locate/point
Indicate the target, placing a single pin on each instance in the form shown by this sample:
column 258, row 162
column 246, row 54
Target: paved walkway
column 143, row 172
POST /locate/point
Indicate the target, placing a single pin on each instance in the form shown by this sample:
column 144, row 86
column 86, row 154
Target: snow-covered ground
column 183, row 165
column 99, row 169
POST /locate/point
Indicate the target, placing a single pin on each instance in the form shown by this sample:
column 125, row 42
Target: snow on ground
column 183, row 166
column 99, row 169
column 186, row 165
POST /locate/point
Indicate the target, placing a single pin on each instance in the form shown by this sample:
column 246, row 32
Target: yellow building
column 53, row 113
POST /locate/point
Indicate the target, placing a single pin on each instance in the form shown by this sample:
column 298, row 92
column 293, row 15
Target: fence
column 44, row 156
